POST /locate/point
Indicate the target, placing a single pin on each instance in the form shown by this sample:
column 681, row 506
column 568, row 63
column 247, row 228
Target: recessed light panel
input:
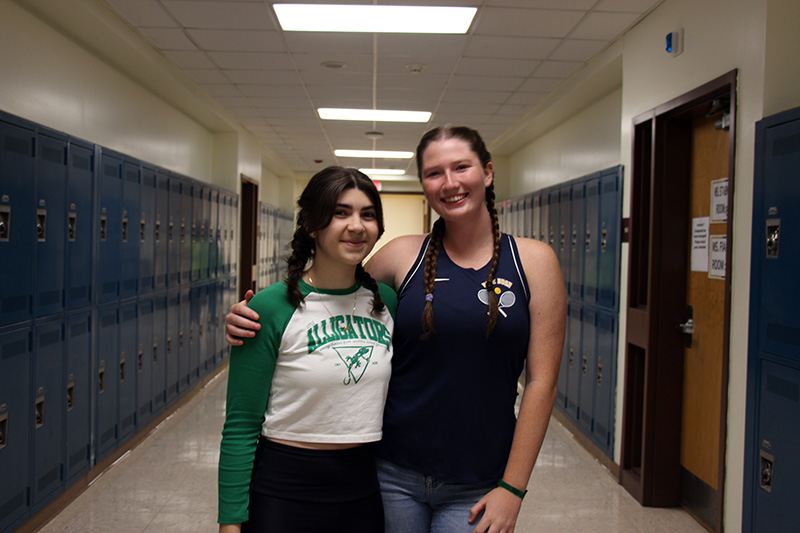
column 374, row 19
column 375, row 154
column 373, row 115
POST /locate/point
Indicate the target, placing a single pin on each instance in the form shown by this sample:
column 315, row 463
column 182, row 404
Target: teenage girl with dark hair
column 475, row 308
column 306, row 393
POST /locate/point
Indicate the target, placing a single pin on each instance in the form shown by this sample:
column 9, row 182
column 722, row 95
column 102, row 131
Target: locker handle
column 180, row 340
column 183, row 232
column 122, row 368
column 562, row 240
column 103, row 227
column 142, row 230
column 125, row 229
column 3, row 430
column 72, row 226
column 170, row 232
column 574, row 240
column 41, row 224
column 155, row 352
column 571, row 356
column 169, row 346
column 158, row 230
column 70, row 396
column 766, row 470
column 5, row 222
column 39, row 411
column 141, row 360
column 588, row 240
column 585, row 364
column 599, row 372
column 603, row 240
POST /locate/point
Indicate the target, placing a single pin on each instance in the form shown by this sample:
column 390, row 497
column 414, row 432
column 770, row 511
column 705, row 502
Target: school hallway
column 169, row 483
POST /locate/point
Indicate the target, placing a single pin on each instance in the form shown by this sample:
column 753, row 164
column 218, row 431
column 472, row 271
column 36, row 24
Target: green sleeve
column 389, row 297
column 249, row 378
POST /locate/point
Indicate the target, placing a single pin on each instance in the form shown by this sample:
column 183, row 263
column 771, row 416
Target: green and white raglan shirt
column 311, row 374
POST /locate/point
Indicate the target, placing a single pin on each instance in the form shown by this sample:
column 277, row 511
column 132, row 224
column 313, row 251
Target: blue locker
column 574, row 362
column 554, row 210
column 126, row 374
column 196, row 323
column 536, row 214
column 213, row 235
column 567, row 355
column 563, row 231
column 526, row 216
column 133, row 229
column 226, row 207
column 17, row 222
column 577, row 241
column 49, row 395
column 544, row 218
column 198, row 231
column 184, row 341
column 588, row 360
column 161, row 235
column 522, row 228
column 212, row 324
column 110, row 227
column 51, row 231
column 80, row 225
column 15, row 423
column 592, row 239
column 106, row 384
column 144, row 364
column 234, row 224
column 205, row 233
column 174, row 233
column 78, row 398
column 221, row 311
column 187, row 231
column 605, row 376
column 147, row 230
column 159, row 351
column 608, row 270
column 172, row 350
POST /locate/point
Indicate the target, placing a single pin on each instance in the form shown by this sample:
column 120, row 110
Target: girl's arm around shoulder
column 390, row 264
column 389, row 298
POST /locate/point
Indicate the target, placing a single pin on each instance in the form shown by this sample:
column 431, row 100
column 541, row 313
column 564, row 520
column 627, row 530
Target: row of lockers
column 75, row 386
column 67, row 205
column 580, row 220
column 275, row 230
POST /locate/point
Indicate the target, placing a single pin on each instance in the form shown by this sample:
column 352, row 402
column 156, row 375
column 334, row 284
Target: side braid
column 431, row 258
column 302, row 247
column 493, row 307
column 364, row 277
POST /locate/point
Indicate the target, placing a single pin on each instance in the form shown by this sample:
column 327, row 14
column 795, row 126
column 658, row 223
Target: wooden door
column 705, row 299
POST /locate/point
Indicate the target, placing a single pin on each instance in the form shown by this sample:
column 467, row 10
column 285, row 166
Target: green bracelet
column 513, row 490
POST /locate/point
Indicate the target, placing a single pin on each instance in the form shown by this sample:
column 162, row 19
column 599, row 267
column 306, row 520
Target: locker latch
column 687, row 328
column 103, row 227
column 766, row 470
column 141, row 360
column 585, row 364
column 3, row 430
column 72, row 226
column 38, row 411
column 155, row 352
column 41, row 224
column 599, row 371
column 571, row 356
column 773, row 237
column 125, row 229
column 70, row 396
column 588, row 239
column 122, row 368
column 101, row 379
column 5, row 222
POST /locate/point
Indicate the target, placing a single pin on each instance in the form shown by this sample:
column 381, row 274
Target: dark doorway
column 248, row 245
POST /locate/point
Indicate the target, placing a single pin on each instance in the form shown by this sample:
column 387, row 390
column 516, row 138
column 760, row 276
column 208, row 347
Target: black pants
column 296, row 490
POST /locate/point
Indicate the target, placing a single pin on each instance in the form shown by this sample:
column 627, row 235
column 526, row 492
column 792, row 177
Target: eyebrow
column 348, row 206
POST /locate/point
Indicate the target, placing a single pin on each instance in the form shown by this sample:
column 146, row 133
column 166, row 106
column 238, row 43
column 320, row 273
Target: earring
column 313, row 234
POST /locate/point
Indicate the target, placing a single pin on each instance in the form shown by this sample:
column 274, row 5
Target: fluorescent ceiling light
column 382, row 171
column 377, row 154
column 373, row 115
column 374, row 19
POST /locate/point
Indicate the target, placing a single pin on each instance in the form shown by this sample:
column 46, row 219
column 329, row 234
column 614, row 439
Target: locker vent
column 110, row 171
column 79, row 293
column 107, row 436
column 15, row 303
column 51, row 154
column 17, row 145
column 49, row 339
column 12, row 504
column 80, row 162
column 784, row 334
column 77, row 458
column 602, row 431
column 784, row 388
column 108, row 320
column 786, row 145
column 14, row 348
column 109, row 288
column 77, row 329
column 48, row 478
column 128, row 421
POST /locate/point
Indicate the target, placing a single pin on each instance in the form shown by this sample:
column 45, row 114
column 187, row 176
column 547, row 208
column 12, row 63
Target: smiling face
column 351, row 233
column 454, row 179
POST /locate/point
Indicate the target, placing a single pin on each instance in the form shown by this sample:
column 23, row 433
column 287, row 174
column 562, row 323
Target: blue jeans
column 415, row 503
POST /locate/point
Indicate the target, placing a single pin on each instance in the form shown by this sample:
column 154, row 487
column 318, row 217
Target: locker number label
column 719, row 200
column 717, row 256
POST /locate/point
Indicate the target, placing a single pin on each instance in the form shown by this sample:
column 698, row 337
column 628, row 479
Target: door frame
column 248, row 244
column 654, row 347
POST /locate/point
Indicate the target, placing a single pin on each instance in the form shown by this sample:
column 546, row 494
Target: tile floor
column 168, row 484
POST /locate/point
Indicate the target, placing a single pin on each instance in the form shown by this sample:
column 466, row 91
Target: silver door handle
column 687, row 327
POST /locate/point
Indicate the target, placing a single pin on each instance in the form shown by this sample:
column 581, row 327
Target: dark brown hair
column 476, row 144
column 317, row 204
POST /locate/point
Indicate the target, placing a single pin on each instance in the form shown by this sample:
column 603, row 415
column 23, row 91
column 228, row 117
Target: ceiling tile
column 527, row 22
column 221, row 15
column 168, row 38
column 577, row 50
column 144, row 13
column 627, row 6
column 510, row 47
column 189, row 60
column 251, row 60
column 496, row 67
column 557, row 69
column 237, row 41
column 604, row 26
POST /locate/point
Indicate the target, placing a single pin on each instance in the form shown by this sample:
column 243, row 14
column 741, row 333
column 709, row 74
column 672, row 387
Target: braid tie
column 431, row 258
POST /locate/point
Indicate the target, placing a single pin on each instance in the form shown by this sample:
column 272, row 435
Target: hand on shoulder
column 392, row 262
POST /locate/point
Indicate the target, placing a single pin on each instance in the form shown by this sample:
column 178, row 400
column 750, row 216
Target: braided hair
column 317, row 204
column 473, row 139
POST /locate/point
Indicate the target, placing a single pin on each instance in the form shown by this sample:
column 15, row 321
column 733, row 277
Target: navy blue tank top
column 450, row 409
